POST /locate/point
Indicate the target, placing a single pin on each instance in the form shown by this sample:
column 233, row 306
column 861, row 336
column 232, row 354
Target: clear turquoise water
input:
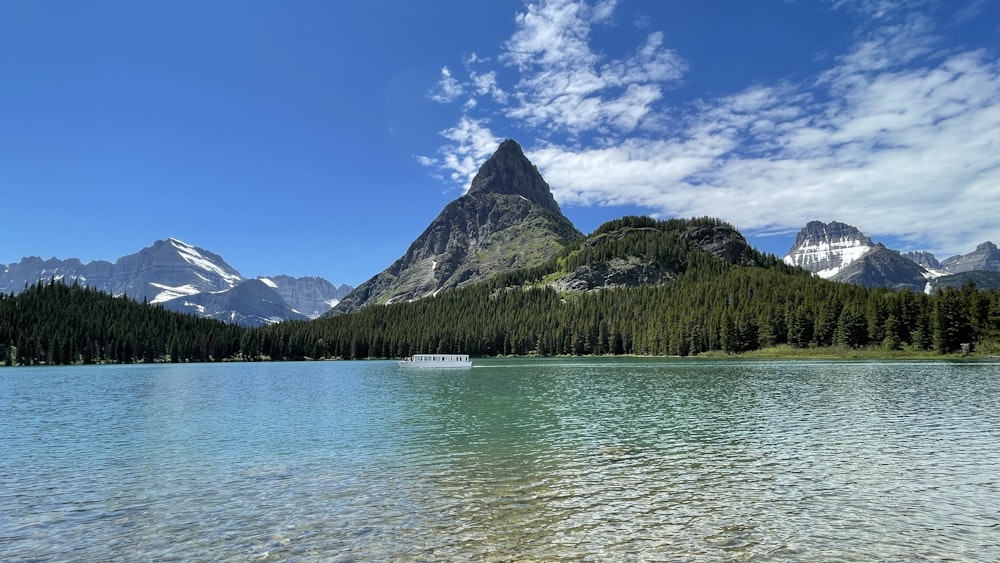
column 602, row 460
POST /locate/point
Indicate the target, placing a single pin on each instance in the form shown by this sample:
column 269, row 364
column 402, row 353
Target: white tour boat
column 437, row 361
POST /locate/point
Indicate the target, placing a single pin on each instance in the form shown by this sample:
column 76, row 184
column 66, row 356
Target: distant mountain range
column 840, row 252
column 186, row 278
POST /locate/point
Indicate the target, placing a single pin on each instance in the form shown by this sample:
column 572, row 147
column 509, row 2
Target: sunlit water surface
column 602, row 460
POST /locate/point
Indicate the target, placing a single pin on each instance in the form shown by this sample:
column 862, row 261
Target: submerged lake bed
column 603, row 459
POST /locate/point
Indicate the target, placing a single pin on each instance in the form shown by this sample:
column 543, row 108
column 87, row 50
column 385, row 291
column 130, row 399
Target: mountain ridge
column 171, row 272
column 840, row 252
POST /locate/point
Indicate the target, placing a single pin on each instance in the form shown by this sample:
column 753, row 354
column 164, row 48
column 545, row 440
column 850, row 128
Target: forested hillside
column 655, row 288
column 740, row 310
column 54, row 323
column 706, row 301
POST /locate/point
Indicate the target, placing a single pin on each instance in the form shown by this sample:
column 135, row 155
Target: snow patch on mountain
column 826, row 249
column 191, row 255
column 185, row 278
column 827, row 258
column 169, row 293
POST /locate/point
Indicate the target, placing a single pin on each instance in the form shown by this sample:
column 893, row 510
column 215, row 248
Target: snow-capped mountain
column 827, row 248
column 168, row 269
column 248, row 303
column 840, row 252
column 183, row 277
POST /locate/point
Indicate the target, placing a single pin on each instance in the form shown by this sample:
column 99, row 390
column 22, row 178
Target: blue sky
column 321, row 138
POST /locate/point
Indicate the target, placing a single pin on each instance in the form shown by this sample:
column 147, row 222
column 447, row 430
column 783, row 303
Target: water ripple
column 634, row 460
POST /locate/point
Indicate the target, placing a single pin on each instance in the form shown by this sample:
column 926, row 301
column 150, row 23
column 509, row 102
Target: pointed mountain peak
column 509, row 172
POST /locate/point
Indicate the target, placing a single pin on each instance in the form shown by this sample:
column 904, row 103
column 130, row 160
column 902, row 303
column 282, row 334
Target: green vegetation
column 748, row 304
column 709, row 305
column 53, row 323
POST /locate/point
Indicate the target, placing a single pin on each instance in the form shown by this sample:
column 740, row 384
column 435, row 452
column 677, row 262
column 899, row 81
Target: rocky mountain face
column 986, row 257
column 883, row 267
column 248, row 303
column 167, row 269
column 925, row 259
column 840, row 252
column 310, row 296
column 639, row 251
column 826, row 248
column 182, row 277
column 507, row 220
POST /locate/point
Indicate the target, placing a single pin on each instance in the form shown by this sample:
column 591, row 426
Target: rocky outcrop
column 721, row 240
column 507, row 220
column 640, row 251
column 631, row 271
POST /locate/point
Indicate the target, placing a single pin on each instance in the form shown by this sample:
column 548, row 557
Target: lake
column 514, row 459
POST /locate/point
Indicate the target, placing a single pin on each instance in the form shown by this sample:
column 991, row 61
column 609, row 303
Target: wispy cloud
column 566, row 87
column 448, row 88
column 897, row 136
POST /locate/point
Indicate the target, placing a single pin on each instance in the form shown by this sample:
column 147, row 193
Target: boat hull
column 436, row 365
column 437, row 361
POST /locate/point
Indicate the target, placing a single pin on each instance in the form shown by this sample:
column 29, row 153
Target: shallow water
column 555, row 459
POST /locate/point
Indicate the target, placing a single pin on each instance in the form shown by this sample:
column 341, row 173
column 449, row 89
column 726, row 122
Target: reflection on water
column 620, row 460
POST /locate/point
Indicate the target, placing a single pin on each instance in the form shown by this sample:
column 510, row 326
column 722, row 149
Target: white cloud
column 565, row 86
column 877, row 9
column 448, row 88
column 897, row 137
column 472, row 144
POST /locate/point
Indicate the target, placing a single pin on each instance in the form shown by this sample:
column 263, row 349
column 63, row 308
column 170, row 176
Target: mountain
column 826, row 248
column 174, row 272
column 249, row 303
column 507, row 220
column 310, row 296
column 925, row 259
column 169, row 268
column 883, row 267
column 641, row 251
column 840, row 252
column 985, row 257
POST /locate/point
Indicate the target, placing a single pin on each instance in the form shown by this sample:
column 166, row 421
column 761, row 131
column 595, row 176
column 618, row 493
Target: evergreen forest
column 732, row 301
